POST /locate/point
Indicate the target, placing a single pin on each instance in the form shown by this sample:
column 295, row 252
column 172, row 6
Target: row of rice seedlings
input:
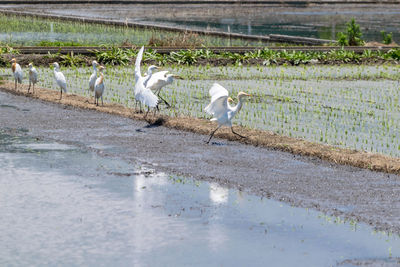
column 347, row 112
column 303, row 72
column 21, row 30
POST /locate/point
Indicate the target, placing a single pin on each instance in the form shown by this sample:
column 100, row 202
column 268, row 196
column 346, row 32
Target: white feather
column 33, row 75
column 158, row 80
column 143, row 93
column 93, row 77
column 99, row 88
column 219, row 107
column 18, row 74
column 219, row 101
column 92, row 81
column 59, row 77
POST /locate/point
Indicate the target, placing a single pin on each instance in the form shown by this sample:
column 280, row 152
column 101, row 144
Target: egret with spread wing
column 33, row 77
column 142, row 92
column 158, row 80
column 220, row 109
column 60, row 79
column 17, row 72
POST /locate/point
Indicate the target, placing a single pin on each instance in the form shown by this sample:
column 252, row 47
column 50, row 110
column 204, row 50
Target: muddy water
column 320, row 21
column 64, row 205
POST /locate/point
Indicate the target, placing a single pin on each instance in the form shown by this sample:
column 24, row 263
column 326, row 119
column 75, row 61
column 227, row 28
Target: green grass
column 60, row 43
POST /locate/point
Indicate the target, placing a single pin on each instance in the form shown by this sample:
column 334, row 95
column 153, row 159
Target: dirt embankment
column 375, row 162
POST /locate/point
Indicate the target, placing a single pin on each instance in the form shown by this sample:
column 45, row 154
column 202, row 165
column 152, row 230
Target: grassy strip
column 375, row 162
column 119, row 56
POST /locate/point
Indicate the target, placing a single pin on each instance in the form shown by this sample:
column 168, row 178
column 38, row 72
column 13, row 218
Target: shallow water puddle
column 64, row 206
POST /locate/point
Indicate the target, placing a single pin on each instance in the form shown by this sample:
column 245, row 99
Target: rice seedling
column 349, row 106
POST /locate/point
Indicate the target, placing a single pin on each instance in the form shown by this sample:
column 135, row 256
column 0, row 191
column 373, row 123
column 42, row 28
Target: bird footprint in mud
column 216, row 143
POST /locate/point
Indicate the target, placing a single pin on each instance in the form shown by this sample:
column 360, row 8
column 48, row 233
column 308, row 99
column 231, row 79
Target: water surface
column 62, row 205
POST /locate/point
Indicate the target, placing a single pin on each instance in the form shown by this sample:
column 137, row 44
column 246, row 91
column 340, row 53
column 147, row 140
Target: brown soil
column 393, row 44
column 376, row 162
column 38, row 60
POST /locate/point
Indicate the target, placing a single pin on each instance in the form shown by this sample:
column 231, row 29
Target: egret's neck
column 101, row 78
column 238, row 106
column 95, row 69
column 149, row 73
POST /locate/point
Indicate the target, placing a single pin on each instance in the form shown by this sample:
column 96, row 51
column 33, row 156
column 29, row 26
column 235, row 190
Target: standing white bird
column 221, row 110
column 158, row 80
column 99, row 87
column 33, row 77
column 93, row 77
column 60, row 79
column 142, row 93
column 17, row 72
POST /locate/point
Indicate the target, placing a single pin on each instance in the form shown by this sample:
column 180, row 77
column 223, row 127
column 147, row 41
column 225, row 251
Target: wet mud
column 354, row 193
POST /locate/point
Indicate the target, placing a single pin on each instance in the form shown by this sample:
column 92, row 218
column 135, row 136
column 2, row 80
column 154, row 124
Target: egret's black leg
column 164, row 101
column 212, row 134
column 237, row 133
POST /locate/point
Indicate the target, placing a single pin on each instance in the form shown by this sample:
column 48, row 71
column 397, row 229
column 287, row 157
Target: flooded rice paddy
column 28, row 31
column 65, row 205
column 347, row 106
column 319, row 21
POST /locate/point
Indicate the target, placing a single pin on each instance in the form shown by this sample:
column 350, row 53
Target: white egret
column 17, row 72
column 93, row 77
column 60, row 79
column 158, row 80
column 33, row 77
column 142, row 93
column 99, row 87
column 221, row 110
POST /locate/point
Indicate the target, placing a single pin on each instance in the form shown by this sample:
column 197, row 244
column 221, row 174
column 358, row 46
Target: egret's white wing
column 148, row 98
column 18, row 74
column 33, row 75
column 99, row 87
column 92, row 81
column 218, row 107
column 216, row 91
column 61, row 80
column 139, row 57
column 157, row 80
column 138, row 87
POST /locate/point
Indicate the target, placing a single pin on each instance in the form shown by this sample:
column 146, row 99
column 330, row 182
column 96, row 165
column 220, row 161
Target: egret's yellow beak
column 177, row 77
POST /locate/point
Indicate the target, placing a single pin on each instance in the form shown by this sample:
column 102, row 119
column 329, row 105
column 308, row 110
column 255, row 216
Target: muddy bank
column 360, row 194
